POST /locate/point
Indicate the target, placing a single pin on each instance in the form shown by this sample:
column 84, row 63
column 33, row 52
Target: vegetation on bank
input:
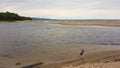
column 8, row 16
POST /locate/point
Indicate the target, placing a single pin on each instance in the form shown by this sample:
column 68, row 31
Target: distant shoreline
column 110, row 24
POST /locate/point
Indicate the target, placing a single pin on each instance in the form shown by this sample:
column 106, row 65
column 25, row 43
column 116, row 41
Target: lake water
column 20, row 38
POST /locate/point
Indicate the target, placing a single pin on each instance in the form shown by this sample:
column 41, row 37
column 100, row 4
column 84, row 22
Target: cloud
column 64, row 8
column 109, row 4
column 77, row 13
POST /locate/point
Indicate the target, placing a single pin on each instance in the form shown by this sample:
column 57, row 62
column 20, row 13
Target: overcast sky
column 68, row 9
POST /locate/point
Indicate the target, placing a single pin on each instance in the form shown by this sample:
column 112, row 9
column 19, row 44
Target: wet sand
column 61, row 56
column 103, row 59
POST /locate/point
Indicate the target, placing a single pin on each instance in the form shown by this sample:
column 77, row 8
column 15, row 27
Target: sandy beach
column 113, row 24
column 64, row 57
column 102, row 59
column 105, row 59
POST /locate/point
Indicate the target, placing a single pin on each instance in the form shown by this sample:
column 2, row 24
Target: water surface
column 17, row 39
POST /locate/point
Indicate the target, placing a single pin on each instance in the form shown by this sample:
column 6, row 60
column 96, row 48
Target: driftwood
column 33, row 65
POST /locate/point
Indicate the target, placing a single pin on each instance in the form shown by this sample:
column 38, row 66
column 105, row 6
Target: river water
column 20, row 38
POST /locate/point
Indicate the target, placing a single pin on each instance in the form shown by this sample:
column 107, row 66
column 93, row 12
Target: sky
column 64, row 9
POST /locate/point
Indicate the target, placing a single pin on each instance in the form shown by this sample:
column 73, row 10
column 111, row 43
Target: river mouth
column 51, row 42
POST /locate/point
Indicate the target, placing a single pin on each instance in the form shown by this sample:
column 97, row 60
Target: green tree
column 8, row 16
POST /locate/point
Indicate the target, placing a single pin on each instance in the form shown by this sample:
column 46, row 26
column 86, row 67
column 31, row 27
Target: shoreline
column 93, row 58
column 63, row 55
column 105, row 59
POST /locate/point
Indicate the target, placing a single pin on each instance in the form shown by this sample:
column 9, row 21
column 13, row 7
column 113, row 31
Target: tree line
column 8, row 16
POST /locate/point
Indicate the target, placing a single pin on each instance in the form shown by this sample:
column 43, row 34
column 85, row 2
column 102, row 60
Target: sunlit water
column 19, row 38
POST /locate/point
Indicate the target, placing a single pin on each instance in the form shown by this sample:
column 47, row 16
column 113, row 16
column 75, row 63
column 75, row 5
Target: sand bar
column 114, row 24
